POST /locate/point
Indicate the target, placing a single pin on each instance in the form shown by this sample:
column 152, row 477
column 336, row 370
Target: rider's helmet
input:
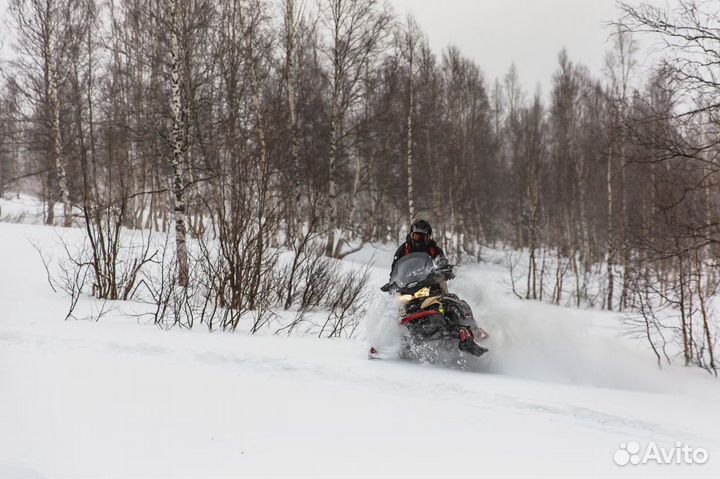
column 420, row 233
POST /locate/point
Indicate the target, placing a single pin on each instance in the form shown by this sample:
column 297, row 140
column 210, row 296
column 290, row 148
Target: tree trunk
column 178, row 148
column 57, row 141
column 332, row 184
column 290, row 35
column 263, row 168
column 610, row 238
column 411, row 108
column 704, row 312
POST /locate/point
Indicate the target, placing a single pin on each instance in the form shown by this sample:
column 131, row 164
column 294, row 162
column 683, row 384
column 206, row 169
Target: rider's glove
column 449, row 274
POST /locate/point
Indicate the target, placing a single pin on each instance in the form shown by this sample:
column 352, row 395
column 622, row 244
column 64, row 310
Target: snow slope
column 555, row 397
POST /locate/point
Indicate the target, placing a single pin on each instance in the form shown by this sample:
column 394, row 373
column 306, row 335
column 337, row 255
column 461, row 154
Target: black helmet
column 420, row 232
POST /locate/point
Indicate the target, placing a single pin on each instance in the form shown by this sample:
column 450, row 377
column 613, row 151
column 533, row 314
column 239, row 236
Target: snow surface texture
column 555, row 397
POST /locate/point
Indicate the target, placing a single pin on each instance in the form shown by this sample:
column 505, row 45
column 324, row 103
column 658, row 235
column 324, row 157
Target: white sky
column 4, row 30
column 530, row 33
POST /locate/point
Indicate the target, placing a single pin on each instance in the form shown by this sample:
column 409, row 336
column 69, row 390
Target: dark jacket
column 407, row 247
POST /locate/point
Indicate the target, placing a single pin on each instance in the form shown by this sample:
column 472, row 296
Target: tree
column 176, row 9
column 410, row 38
column 620, row 63
column 44, row 30
column 356, row 30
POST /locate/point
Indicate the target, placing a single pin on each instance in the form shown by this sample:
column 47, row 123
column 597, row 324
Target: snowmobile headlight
column 422, row 293
column 405, row 298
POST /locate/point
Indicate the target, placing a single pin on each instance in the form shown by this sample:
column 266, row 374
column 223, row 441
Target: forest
column 245, row 127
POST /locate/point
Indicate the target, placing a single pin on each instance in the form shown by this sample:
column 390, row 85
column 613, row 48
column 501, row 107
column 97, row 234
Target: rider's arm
column 440, row 258
column 438, row 250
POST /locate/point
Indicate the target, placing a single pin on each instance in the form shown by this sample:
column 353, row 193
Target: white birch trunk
column 57, row 151
column 53, row 97
column 290, row 79
column 178, row 133
column 411, row 107
column 610, row 237
column 332, row 185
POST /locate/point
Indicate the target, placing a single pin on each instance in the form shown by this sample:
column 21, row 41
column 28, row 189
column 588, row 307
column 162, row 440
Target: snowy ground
column 555, row 397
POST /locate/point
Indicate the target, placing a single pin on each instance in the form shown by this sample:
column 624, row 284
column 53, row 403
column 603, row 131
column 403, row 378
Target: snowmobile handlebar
column 447, row 272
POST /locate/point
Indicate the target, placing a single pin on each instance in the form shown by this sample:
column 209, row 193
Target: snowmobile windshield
column 412, row 268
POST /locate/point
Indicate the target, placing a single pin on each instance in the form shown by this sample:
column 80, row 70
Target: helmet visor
column 420, row 237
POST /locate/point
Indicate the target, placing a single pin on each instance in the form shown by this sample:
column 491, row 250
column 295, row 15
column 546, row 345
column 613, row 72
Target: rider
column 420, row 240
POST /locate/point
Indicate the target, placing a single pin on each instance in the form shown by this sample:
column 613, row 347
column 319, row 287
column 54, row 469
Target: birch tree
column 176, row 9
column 620, row 63
column 411, row 36
column 356, row 29
column 42, row 35
column 290, row 34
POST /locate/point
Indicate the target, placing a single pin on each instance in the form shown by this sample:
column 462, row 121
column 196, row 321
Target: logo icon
column 630, row 453
column 627, row 454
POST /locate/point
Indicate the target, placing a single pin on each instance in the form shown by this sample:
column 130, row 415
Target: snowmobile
column 434, row 323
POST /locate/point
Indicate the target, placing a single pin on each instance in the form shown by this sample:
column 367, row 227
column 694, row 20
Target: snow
column 558, row 393
column 23, row 208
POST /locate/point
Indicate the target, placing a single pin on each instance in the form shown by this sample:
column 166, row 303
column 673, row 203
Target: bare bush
column 116, row 262
column 318, row 285
column 101, row 268
column 347, row 302
column 673, row 312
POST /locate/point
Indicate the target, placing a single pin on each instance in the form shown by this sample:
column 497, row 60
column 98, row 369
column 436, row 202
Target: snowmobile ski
column 375, row 354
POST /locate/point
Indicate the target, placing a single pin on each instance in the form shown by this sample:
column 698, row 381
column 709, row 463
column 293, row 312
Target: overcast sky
column 530, row 33
column 4, row 27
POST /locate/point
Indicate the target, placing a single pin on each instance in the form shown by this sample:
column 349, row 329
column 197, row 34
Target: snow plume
column 540, row 341
column 382, row 325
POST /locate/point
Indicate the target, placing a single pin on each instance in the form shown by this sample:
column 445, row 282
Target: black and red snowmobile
column 435, row 324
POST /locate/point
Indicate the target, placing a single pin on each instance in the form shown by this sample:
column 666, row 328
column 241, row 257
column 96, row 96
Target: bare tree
column 176, row 8
column 356, row 29
column 411, row 37
column 620, row 63
column 44, row 32
column 290, row 31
